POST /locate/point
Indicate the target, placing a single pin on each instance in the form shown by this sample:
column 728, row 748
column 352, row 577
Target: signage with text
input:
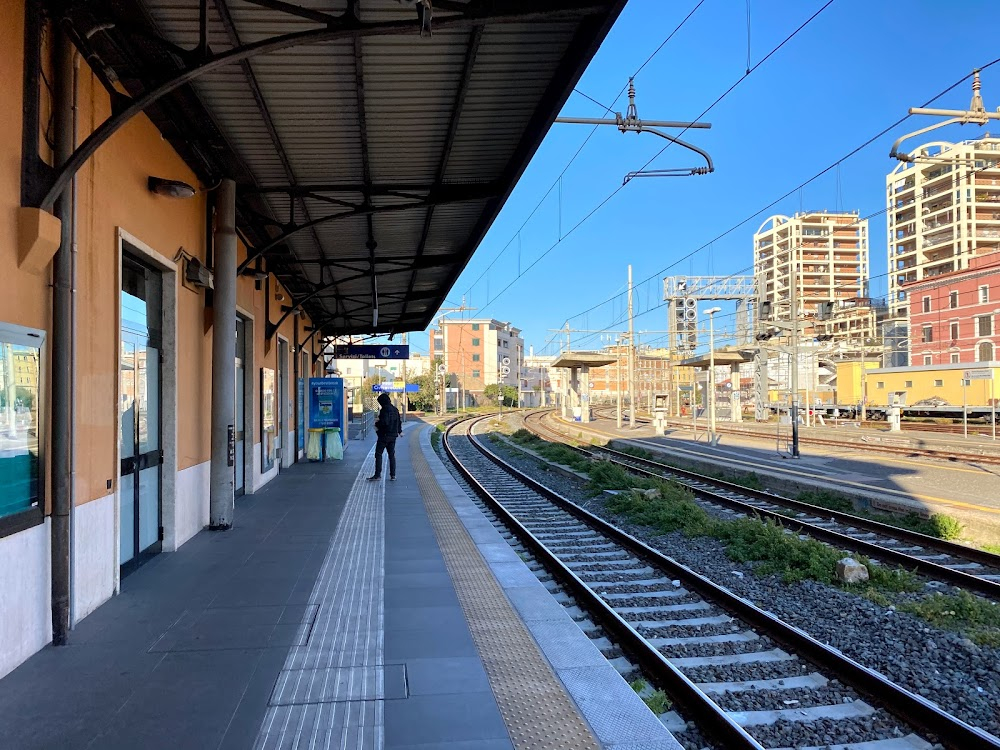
column 371, row 351
column 982, row 373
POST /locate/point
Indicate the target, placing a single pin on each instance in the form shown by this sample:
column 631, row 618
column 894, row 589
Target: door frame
column 286, row 411
column 249, row 399
column 168, row 390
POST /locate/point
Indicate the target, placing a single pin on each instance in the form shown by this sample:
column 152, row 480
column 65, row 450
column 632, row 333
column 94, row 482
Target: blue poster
column 302, row 414
column 326, row 403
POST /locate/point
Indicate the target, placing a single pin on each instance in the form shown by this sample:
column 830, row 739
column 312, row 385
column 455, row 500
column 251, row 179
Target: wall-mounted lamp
column 259, row 275
column 170, row 188
column 296, row 311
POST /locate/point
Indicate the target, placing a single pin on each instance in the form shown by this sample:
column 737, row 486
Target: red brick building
column 954, row 317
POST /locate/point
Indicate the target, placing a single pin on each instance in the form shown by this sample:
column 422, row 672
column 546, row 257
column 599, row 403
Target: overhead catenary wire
column 621, row 187
column 834, row 165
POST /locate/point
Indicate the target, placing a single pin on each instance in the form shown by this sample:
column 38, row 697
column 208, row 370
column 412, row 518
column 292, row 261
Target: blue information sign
column 326, row 403
column 393, row 388
column 371, row 351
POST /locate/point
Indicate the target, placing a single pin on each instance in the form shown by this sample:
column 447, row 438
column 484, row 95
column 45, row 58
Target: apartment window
column 475, row 373
column 939, row 384
column 505, row 342
column 953, row 300
column 475, row 326
column 475, row 357
column 984, row 294
column 20, row 466
column 954, row 358
column 880, row 385
column 985, row 352
column 927, row 304
column 475, row 342
column 954, row 331
column 984, row 325
column 928, row 359
column 907, row 383
column 927, row 335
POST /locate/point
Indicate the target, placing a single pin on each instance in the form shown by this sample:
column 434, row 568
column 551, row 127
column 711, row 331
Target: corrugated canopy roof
column 371, row 158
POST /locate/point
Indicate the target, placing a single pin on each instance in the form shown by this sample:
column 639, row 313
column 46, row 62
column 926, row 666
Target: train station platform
column 336, row 613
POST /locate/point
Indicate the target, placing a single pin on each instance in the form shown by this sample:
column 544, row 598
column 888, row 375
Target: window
column 928, row 360
column 505, row 342
column 939, row 384
column 928, row 334
column 984, row 325
column 984, row 352
column 880, row 385
column 907, row 383
column 475, row 373
column 954, row 331
column 984, row 294
column 475, row 342
column 953, row 300
column 927, row 304
column 475, row 357
column 475, row 326
column 20, row 470
column 954, row 358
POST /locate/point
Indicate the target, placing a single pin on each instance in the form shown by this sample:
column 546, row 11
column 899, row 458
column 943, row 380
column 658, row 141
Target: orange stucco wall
column 112, row 195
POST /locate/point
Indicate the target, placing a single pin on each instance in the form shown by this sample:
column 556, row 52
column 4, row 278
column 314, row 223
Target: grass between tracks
column 939, row 525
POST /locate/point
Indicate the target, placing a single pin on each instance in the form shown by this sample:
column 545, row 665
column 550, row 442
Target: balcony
column 937, row 240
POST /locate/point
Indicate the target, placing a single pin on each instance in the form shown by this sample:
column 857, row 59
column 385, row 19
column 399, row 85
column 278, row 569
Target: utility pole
column 631, row 356
column 618, row 381
column 406, row 399
column 795, row 358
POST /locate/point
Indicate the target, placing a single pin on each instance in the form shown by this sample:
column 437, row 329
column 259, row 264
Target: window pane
column 19, row 470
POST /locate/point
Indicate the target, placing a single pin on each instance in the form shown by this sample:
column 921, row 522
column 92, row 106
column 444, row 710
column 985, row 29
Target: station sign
column 981, row 373
column 371, row 351
column 395, row 387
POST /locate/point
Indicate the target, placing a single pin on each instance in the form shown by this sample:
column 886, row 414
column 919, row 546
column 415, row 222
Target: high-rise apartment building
column 819, row 256
column 943, row 209
column 473, row 353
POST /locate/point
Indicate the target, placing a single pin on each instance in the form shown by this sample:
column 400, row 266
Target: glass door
column 239, row 476
column 139, row 411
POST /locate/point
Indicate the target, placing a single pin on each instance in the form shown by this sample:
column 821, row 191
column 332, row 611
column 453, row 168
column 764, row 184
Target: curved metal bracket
column 676, row 171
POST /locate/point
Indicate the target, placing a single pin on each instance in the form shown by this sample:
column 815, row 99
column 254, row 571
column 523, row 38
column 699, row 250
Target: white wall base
column 288, row 454
column 191, row 508
column 25, row 580
column 259, row 480
column 95, row 546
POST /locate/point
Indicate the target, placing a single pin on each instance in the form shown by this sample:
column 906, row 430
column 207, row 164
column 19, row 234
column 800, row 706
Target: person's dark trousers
column 385, row 444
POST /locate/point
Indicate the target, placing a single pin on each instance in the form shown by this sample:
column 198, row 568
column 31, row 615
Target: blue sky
column 850, row 73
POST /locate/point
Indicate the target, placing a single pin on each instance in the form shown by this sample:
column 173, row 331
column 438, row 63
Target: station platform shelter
column 336, row 613
column 576, row 395
column 198, row 199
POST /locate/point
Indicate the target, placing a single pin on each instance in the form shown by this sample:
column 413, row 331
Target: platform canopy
column 373, row 142
column 572, row 360
column 723, row 357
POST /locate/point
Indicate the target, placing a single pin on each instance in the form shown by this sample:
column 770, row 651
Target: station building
column 162, row 180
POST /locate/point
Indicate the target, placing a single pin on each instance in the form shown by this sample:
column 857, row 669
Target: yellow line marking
column 755, row 467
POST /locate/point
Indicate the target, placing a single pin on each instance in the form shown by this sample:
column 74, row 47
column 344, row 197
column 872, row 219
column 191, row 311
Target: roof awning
column 722, row 357
column 371, row 157
column 583, row 359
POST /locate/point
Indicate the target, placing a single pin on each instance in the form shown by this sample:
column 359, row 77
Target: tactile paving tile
column 538, row 712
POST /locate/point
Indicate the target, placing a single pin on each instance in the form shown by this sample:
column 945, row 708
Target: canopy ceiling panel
column 371, row 157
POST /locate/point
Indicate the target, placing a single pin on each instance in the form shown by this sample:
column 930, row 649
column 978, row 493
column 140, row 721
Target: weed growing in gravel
column 658, row 702
column 994, row 548
column 436, row 440
column 554, row 452
column 938, row 525
column 633, row 451
column 638, row 685
column 976, row 618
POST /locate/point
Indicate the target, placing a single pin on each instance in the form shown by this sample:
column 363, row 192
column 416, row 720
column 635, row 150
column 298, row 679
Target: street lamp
column 710, row 312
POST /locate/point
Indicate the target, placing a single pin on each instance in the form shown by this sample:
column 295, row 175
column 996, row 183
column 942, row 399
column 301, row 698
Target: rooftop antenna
column 631, row 123
column 976, row 114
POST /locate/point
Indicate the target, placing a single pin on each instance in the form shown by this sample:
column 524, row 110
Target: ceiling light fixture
column 170, row 188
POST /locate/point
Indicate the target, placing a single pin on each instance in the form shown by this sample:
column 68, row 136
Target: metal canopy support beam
column 346, row 26
column 221, row 497
column 455, row 189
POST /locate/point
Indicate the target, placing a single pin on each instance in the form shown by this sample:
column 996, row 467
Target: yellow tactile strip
column 538, row 712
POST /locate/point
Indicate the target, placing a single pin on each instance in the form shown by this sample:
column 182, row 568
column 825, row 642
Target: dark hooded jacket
column 389, row 424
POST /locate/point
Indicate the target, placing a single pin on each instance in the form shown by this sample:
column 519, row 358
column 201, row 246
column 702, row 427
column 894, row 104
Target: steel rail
column 695, row 703
column 912, row 709
column 967, row 581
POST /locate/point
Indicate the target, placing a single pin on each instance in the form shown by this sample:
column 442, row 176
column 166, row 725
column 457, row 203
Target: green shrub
column 938, row 525
column 976, row 618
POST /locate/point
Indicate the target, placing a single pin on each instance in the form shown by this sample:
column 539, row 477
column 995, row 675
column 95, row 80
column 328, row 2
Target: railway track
column 878, row 443
column 748, row 679
column 955, row 564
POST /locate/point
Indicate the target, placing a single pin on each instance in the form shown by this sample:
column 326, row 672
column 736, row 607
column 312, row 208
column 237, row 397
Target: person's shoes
column 374, row 478
column 392, row 479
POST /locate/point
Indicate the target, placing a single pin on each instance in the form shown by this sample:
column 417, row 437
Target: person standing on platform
column 388, row 427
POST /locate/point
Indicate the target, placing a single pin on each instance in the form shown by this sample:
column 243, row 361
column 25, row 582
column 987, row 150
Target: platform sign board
column 395, row 387
column 371, row 351
column 326, row 403
column 981, row 373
